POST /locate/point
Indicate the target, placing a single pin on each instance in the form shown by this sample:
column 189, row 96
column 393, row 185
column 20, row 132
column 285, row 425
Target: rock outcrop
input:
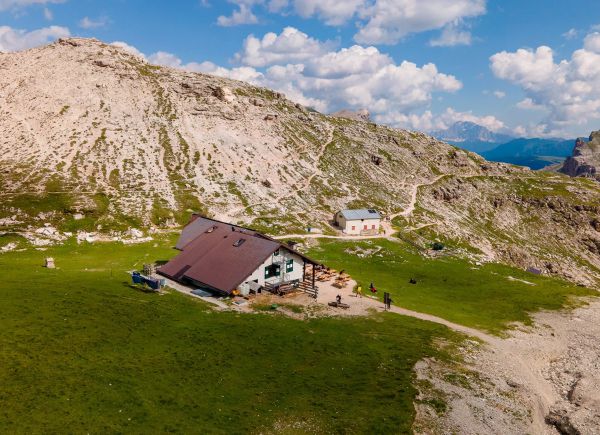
column 585, row 161
column 359, row 115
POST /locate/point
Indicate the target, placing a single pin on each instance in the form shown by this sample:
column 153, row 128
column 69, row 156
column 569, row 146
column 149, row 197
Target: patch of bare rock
column 540, row 380
column 585, row 161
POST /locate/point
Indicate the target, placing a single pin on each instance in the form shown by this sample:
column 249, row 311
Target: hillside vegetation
column 489, row 296
column 79, row 344
column 89, row 130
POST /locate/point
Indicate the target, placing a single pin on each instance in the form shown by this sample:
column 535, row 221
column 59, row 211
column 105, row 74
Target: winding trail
column 318, row 158
column 328, row 236
column 507, row 353
column 387, row 225
column 413, row 197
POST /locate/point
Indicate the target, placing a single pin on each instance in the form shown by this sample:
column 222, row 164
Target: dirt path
column 318, row 158
column 536, row 371
column 327, row 236
column 548, row 372
column 413, row 197
column 387, row 225
column 522, row 359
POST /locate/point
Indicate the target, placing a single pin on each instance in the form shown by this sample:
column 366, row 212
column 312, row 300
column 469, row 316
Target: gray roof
column 361, row 214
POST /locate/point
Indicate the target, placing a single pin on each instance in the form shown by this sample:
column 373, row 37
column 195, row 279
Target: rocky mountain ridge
column 358, row 115
column 90, row 130
column 585, row 161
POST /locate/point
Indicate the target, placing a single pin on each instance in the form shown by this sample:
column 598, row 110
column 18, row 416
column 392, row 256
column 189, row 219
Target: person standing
column 387, row 300
column 359, row 291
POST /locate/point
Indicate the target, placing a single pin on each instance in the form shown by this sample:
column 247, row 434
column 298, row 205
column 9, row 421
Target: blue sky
column 528, row 67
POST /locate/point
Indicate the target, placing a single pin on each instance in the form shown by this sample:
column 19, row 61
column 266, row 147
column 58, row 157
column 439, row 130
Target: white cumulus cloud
column 291, row 45
column 529, row 104
column 570, row 34
column 358, row 77
column 243, row 15
column 427, row 121
column 129, row 48
column 15, row 39
column 378, row 21
column 388, row 21
column 568, row 89
column 332, row 12
column 451, row 36
column 19, row 4
column 89, row 23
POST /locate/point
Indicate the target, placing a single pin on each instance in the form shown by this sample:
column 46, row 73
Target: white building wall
column 358, row 224
column 373, row 225
column 259, row 274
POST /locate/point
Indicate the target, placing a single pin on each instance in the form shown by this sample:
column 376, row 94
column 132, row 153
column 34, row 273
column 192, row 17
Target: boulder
column 224, row 94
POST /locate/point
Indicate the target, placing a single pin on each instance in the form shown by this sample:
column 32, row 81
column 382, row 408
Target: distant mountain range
column 535, row 153
column 471, row 136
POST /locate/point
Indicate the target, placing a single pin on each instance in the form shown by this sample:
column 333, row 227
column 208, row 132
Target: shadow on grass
column 140, row 288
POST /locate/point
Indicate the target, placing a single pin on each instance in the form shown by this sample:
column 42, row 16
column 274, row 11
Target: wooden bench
column 339, row 305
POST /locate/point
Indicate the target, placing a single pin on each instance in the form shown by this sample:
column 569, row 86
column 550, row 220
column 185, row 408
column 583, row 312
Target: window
column 271, row 271
column 373, row 227
column 276, row 253
column 366, row 227
column 353, row 228
column 289, row 266
column 239, row 243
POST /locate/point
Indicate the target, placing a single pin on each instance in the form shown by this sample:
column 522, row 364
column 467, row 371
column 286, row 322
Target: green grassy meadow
column 81, row 351
column 483, row 297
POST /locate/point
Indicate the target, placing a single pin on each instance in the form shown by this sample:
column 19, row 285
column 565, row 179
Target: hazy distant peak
column 466, row 131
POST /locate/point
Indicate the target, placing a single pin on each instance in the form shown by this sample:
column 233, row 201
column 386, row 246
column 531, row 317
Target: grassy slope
column 80, row 349
column 483, row 297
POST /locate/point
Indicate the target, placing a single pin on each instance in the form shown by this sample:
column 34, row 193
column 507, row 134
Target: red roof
column 219, row 255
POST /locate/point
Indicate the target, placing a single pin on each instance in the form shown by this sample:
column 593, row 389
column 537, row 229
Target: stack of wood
column 326, row 275
column 342, row 280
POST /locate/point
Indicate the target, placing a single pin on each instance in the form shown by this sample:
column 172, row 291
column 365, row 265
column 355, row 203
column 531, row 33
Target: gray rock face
column 359, row 115
column 585, row 161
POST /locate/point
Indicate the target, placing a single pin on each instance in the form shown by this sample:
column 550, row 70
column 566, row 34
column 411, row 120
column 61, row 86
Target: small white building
column 362, row 222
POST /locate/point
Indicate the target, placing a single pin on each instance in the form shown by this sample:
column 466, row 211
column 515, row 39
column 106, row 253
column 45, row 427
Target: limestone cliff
column 585, row 161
